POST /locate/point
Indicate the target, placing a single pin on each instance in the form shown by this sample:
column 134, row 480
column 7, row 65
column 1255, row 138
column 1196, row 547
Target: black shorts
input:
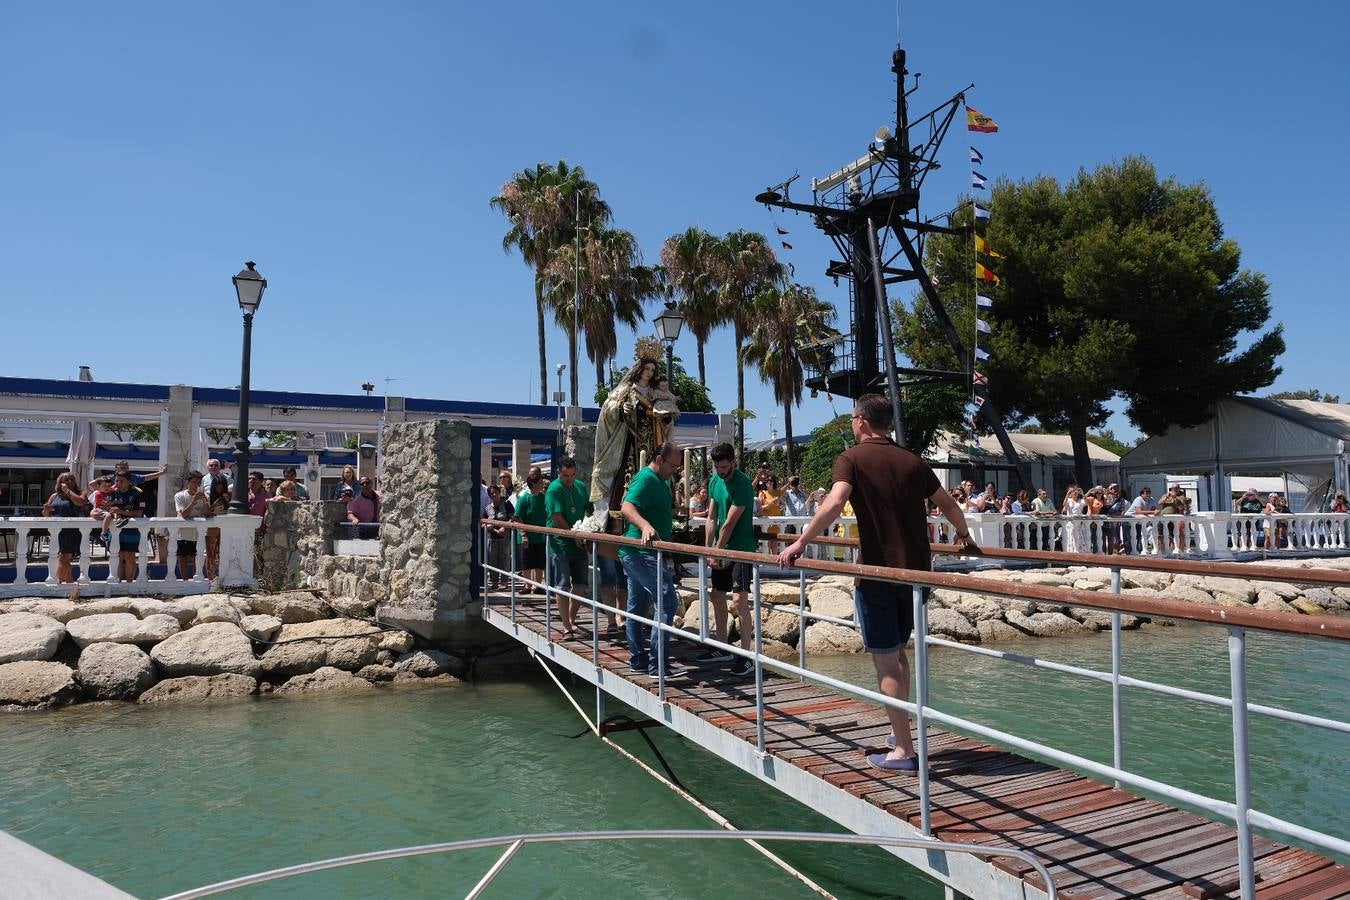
column 68, row 541
column 885, row 615
column 532, row 555
column 187, row 549
column 735, row 577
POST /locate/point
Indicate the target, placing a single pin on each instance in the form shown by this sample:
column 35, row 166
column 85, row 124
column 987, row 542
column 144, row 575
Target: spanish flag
column 985, row 274
column 978, row 121
column 982, row 246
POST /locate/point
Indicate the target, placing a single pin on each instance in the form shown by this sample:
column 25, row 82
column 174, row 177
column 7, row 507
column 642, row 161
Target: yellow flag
column 982, row 246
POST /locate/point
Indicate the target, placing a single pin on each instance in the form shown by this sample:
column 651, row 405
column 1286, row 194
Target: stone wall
column 426, row 537
column 298, row 536
column 579, row 443
column 358, row 577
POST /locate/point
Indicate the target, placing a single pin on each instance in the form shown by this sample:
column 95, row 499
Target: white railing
column 34, row 542
column 1206, row 535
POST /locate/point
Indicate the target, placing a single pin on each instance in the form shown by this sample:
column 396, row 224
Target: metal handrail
column 514, row 842
column 1237, row 621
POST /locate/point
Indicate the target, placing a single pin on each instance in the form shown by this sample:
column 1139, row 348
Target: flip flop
column 879, row 761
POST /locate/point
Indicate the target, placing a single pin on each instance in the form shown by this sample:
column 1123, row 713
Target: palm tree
column 614, row 286
column 747, row 266
column 691, row 263
column 544, row 206
column 786, row 324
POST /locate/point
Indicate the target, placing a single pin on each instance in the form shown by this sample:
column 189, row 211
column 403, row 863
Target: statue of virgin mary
column 637, row 416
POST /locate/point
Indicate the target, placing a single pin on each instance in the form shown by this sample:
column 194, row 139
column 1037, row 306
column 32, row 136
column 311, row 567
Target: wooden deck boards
column 1096, row 841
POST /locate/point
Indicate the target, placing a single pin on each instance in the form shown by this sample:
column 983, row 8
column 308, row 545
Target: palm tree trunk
column 702, row 371
column 791, row 450
column 740, row 394
column 543, row 355
column 599, row 371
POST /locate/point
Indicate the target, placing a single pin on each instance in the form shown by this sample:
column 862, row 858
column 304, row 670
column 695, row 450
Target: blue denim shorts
column 609, row 570
column 885, row 615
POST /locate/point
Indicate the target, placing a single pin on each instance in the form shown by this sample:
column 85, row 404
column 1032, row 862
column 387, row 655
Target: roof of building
column 1051, row 448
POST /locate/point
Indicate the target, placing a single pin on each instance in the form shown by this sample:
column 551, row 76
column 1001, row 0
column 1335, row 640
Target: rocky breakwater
column 975, row 618
column 55, row 652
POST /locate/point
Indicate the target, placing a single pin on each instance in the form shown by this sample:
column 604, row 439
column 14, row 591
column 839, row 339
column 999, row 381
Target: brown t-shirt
column 890, row 485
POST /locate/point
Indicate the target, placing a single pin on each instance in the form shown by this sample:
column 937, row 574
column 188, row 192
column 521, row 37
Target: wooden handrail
column 1206, row 614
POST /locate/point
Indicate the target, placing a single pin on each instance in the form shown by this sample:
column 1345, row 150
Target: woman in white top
column 1075, row 533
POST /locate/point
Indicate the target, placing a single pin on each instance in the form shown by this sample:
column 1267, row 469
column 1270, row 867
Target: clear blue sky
column 351, row 148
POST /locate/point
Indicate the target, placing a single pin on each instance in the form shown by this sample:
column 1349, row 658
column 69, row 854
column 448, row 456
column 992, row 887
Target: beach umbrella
column 80, row 457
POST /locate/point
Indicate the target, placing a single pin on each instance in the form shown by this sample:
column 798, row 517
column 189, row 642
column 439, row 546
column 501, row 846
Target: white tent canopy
column 1255, row 434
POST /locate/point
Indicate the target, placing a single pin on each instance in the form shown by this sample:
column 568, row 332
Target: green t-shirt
column 738, row 492
column 530, row 510
column 571, row 505
column 653, row 499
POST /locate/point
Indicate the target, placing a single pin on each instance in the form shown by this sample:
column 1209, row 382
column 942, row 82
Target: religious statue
column 638, row 416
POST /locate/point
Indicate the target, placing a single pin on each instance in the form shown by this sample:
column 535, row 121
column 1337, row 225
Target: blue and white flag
column 981, row 213
column 976, row 157
column 977, row 180
column 982, row 326
column 981, row 354
column 984, row 302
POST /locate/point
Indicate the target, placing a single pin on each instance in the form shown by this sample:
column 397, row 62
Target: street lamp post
column 249, row 287
column 668, row 326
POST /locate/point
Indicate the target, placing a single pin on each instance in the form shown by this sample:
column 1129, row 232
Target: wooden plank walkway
column 1096, row 841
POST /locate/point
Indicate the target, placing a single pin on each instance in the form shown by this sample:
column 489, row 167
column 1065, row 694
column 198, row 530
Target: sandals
column 883, row 762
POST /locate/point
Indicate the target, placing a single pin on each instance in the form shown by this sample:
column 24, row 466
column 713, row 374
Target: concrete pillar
column 726, row 429
column 485, row 461
column 311, row 476
column 365, row 467
column 177, row 438
column 520, row 458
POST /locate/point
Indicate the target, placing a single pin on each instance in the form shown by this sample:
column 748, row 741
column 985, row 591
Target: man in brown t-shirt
column 887, row 485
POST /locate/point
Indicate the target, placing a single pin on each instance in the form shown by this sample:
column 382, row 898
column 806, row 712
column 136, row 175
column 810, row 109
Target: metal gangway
column 1098, row 829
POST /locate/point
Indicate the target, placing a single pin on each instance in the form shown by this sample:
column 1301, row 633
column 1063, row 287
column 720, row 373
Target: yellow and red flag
column 982, row 246
column 984, row 273
column 978, row 121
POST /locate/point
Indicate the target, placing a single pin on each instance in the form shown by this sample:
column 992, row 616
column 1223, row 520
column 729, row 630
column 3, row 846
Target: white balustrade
column 1205, row 535
column 157, row 546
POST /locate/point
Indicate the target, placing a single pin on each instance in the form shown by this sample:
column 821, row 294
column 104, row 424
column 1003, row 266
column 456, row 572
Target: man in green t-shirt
column 530, row 510
column 731, row 526
column 565, row 501
column 647, row 506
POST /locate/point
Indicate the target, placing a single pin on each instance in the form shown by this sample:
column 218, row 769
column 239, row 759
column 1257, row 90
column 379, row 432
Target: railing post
column 115, row 553
column 143, row 554
column 1237, row 665
column 21, row 554
column 595, row 610
column 658, row 636
column 515, row 545
column 171, row 555
column 1117, row 708
column 86, row 556
column 921, row 702
column 759, row 667
column 199, row 566
column 801, row 621
column 703, row 598
column 52, row 542
column 548, row 595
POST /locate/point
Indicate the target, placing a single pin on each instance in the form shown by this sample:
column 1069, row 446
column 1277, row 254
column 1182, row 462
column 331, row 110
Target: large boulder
column 950, row 623
column 326, row 678
column 1327, row 599
column 779, row 625
column 260, row 627
column 1188, row 594
column 103, row 607
column 122, row 628
column 1047, row 624
column 217, row 609
column 51, row 607
column 306, row 646
column 1238, row 588
column 995, row 631
column 1141, row 578
column 1100, row 620
column 831, row 599
column 37, row 684
column 978, row 608
column 215, row 648
column 1272, row 602
column 292, row 607
column 1046, row 578
column 376, row 674
column 1307, row 607
column 145, row 607
column 228, row 686
column 29, row 636
column 396, row 641
column 427, row 663
column 1278, row 588
column 115, row 671
column 827, row 637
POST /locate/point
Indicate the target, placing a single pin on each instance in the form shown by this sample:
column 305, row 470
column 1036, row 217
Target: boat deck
column 1096, row 840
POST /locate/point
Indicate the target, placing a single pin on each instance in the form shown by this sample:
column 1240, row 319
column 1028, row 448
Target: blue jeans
column 641, row 571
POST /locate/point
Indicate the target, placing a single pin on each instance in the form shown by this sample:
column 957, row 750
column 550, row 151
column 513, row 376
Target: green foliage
column 132, row 433
column 1107, row 440
column 1310, row 394
column 353, row 441
column 1116, row 284
column 817, row 458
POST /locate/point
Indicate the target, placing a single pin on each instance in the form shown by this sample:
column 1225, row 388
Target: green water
column 159, row 799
